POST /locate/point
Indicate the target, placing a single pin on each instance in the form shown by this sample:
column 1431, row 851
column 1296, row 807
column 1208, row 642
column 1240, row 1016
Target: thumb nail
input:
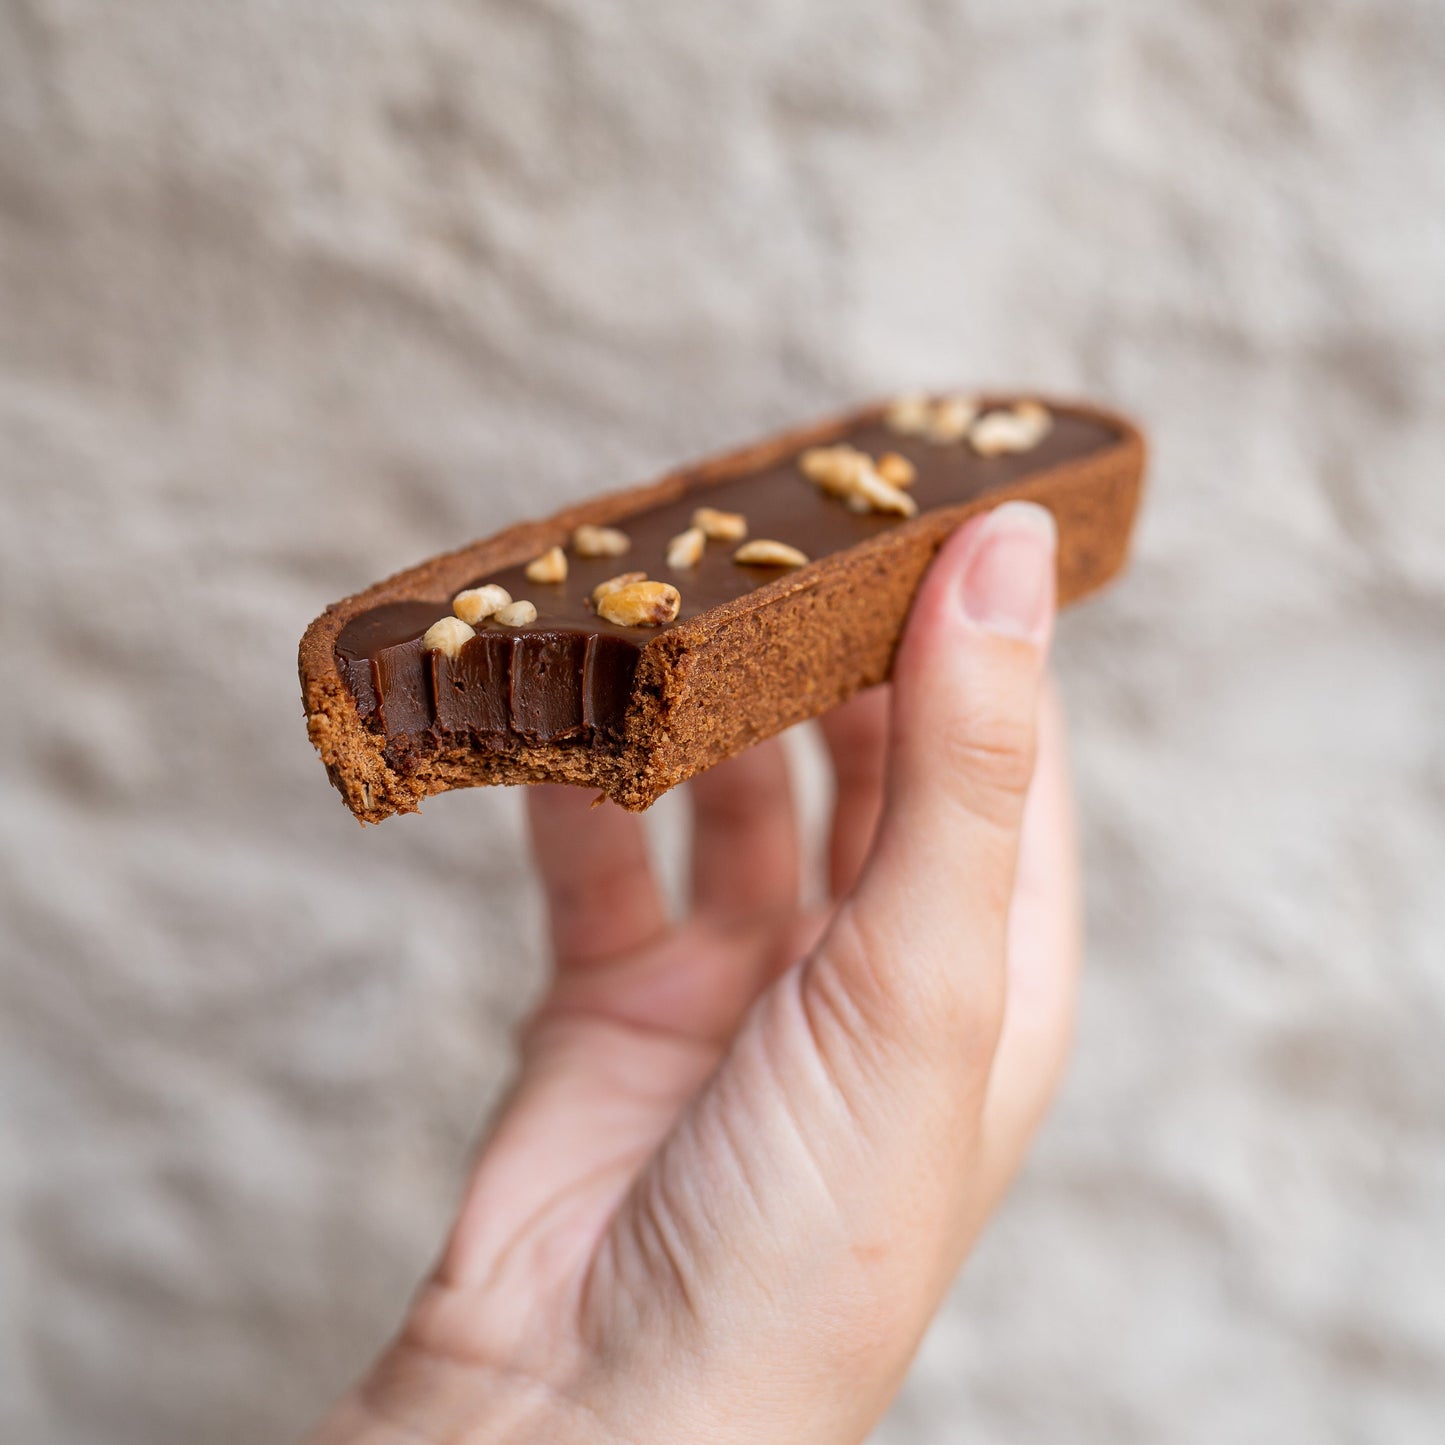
column 1008, row 579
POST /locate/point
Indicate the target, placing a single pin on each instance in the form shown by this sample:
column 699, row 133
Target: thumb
column 902, row 1002
column 819, row 1193
column 918, row 950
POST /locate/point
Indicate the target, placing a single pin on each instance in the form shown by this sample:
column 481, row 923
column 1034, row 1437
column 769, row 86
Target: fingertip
column 596, row 873
column 856, row 735
column 969, row 667
column 1007, row 581
column 745, row 853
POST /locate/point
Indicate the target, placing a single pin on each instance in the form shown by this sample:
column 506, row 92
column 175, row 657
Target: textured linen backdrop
column 294, row 295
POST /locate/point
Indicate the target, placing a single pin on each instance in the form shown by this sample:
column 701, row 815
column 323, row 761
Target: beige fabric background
column 293, row 295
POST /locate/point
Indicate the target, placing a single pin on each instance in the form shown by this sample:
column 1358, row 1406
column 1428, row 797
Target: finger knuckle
column 890, row 1003
column 990, row 761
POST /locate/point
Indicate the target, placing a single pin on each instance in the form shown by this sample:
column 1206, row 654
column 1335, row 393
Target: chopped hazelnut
column 551, row 566
column 592, row 541
column 615, row 584
column 882, row 496
column 951, row 418
column 685, row 549
column 845, row 472
column 477, row 604
column 896, row 469
column 1016, row 429
column 766, row 553
column 447, row 636
column 909, row 416
column 641, row 604
column 515, row 614
column 1036, row 415
column 719, row 526
column 835, row 469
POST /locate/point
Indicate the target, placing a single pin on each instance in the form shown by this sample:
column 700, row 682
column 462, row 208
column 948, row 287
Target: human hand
column 747, row 1151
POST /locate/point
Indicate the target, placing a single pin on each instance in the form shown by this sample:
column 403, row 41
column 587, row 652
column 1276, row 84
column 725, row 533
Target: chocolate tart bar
column 631, row 711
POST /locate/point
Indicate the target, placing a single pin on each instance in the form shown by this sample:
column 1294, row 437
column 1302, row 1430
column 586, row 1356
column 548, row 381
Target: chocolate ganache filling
column 568, row 676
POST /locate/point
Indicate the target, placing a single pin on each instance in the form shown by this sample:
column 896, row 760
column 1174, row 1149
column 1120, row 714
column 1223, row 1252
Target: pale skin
column 746, row 1151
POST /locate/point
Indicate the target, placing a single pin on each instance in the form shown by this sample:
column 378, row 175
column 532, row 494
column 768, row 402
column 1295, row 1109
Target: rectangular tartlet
column 631, row 711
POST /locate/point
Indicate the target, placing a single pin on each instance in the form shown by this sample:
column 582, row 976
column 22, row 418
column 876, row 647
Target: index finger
column 602, row 895
column 857, row 738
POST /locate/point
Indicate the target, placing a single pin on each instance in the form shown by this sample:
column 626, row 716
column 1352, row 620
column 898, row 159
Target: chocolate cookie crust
column 570, row 695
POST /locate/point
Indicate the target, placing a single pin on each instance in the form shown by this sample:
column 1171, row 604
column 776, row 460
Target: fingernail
column 1008, row 580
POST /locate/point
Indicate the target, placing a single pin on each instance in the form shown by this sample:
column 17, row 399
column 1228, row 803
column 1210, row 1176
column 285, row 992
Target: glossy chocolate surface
column 569, row 674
